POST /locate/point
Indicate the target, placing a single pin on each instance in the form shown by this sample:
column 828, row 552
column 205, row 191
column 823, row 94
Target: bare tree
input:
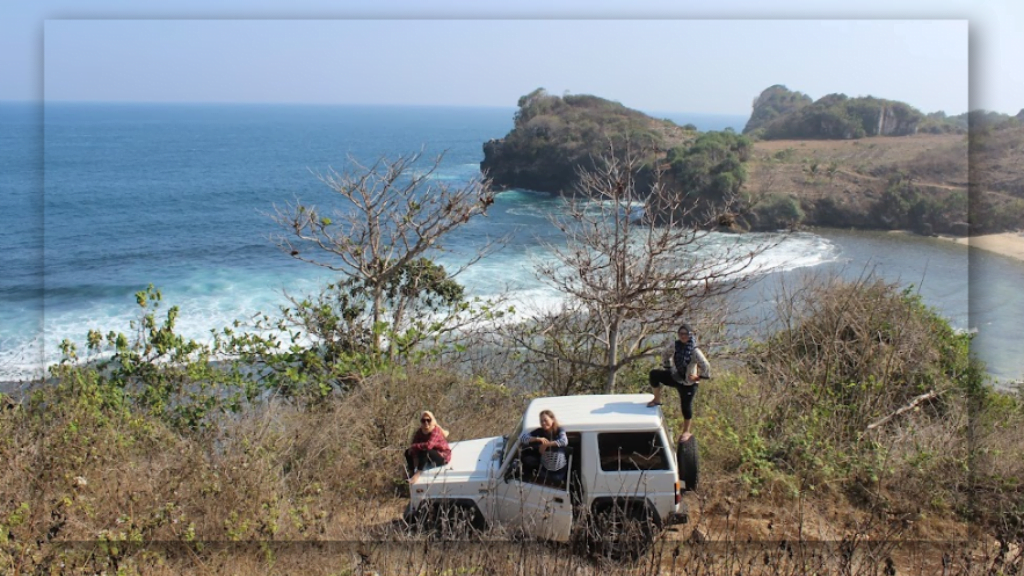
column 388, row 217
column 632, row 276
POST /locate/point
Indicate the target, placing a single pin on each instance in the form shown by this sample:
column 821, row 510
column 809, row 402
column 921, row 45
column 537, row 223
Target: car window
column 627, row 451
column 510, row 441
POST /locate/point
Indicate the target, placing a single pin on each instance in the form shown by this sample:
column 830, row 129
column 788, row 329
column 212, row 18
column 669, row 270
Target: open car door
column 539, row 510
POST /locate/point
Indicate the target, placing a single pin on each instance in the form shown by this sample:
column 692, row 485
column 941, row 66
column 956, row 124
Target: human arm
column 562, row 441
column 433, row 441
column 699, row 366
column 419, row 440
column 529, row 437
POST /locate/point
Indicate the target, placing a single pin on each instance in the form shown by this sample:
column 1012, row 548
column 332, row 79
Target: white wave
column 216, row 299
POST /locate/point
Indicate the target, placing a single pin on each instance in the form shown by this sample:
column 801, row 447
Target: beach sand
column 1007, row 243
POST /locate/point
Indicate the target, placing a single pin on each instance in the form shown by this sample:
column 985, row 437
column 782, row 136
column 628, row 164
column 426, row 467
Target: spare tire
column 686, row 457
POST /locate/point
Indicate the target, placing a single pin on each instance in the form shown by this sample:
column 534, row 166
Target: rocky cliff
column 779, row 113
column 554, row 136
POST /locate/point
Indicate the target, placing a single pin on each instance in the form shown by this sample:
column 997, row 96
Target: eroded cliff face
column 893, row 122
column 509, row 165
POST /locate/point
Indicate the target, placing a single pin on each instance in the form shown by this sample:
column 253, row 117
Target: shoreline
column 1009, row 244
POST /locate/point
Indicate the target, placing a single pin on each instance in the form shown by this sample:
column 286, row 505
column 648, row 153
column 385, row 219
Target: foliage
column 93, row 481
column 174, row 378
column 774, row 102
column 387, row 220
column 711, row 171
column 846, row 359
column 322, row 345
column 903, row 205
column 837, row 116
column 940, row 123
column 777, row 212
column 90, row 457
column 555, row 136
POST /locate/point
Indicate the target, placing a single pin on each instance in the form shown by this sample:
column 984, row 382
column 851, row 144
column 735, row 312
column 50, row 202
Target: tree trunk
column 613, row 359
column 378, row 307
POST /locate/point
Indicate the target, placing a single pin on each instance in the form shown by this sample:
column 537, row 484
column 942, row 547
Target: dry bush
column 862, row 348
column 89, row 485
column 858, row 390
column 79, row 467
column 996, row 442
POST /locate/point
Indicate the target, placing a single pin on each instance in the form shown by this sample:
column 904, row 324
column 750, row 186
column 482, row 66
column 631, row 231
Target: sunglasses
column 425, row 420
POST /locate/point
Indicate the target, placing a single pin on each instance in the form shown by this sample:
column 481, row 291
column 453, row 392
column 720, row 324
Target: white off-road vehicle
column 624, row 482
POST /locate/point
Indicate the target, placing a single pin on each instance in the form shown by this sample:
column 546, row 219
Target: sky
column 655, row 55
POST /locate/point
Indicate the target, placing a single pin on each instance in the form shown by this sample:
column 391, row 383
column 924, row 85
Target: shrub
column 848, row 357
column 777, row 212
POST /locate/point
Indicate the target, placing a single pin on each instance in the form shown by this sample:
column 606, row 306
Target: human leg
column 414, row 460
column 410, row 462
column 530, row 460
column 658, row 378
column 686, row 394
column 433, row 458
column 552, row 476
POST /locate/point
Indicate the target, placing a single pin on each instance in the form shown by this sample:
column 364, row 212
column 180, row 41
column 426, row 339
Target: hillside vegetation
column 554, row 135
column 855, row 403
column 860, row 162
column 781, row 114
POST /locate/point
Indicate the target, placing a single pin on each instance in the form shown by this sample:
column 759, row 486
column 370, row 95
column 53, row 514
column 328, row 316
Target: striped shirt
column 554, row 457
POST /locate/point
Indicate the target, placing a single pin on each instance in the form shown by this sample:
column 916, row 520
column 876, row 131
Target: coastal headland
column 863, row 163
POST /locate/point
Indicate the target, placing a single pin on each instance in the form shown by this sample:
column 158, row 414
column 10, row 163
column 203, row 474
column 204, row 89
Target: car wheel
column 447, row 521
column 689, row 468
column 621, row 532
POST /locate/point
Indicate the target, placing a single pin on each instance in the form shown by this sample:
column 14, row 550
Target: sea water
column 101, row 200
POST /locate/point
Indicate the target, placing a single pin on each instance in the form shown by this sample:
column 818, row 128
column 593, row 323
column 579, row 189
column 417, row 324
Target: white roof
column 596, row 412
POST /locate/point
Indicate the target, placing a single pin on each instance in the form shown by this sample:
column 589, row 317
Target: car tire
column 451, row 521
column 689, row 467
column 621, row 532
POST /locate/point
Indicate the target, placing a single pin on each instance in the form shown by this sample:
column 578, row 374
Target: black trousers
column 416, row 460
column 660, row 377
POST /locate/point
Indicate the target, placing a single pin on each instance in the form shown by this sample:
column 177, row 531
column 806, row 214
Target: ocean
column 101, row 200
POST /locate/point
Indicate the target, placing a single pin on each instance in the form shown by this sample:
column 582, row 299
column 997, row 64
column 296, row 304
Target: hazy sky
column 655, row 55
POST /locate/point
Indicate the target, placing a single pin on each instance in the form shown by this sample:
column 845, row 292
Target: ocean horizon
column 107, row 198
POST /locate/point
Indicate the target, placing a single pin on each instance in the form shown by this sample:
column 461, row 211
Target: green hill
column 779, row 113
column 553, row 136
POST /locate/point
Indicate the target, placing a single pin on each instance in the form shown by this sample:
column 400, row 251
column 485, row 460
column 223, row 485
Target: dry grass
column 88, row 488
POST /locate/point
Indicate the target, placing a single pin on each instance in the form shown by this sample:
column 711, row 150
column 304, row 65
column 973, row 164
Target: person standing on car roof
column 682, row 365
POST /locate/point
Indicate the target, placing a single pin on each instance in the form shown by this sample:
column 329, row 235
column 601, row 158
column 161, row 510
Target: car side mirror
column 513, row 468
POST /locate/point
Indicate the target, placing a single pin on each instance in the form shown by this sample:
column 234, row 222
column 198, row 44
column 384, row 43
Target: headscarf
column 684, row 352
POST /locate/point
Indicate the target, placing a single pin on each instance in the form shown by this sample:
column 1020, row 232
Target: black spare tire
column 689, row 468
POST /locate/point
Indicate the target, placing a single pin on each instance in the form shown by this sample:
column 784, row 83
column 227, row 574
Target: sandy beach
column 1007, row 243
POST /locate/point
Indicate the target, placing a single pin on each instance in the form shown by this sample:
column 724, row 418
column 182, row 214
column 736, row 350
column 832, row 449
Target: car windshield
column 510, row 440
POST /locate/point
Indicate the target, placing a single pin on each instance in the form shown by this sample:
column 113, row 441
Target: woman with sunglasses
column 429, row 447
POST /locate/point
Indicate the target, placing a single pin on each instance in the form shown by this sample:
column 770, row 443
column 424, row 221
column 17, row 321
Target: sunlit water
column 106, row 199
